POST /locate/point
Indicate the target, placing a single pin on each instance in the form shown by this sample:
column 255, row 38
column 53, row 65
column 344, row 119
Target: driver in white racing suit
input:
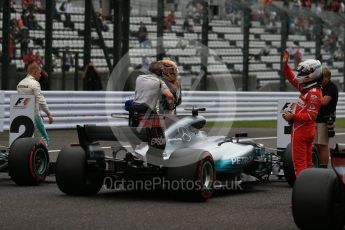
column 30, row 86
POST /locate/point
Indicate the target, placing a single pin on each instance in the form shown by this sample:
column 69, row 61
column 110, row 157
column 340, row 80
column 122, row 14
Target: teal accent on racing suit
column 40, row 127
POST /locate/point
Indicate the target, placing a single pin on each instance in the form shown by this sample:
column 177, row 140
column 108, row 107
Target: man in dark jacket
column 326, row 117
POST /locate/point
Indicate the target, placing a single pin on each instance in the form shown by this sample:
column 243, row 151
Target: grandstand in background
column 225, row 40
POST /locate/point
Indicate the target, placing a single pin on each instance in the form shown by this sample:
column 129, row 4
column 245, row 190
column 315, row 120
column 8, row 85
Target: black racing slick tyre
column 317, row 201
column 28, row 161
column 196, row 180
column 289, row 170
column 72, row 175
column 288, row 167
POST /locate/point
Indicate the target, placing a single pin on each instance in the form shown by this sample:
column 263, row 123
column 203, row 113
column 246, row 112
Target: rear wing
column 153, row 136
column 92, row 133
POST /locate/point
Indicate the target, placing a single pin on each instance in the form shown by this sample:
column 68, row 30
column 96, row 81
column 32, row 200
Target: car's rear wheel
column 28, row 161
column 196, row 179
column 72, row 175
column 317, row 201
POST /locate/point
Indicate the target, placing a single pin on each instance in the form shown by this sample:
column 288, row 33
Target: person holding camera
column 303, row 116
column 326, row 117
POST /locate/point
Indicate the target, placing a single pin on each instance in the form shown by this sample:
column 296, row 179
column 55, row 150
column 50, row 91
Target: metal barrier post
column 318, row 41
column 344, row 66
column 48, row 50
column 87, row 32
column 246, row 11
column 160, row 30
column 204, row 41
column 76, row 71
column 117, row 33
column 63, row 83
column 5, row 59
column 284, row 37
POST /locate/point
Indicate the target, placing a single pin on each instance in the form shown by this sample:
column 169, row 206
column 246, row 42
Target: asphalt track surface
column 264, row 205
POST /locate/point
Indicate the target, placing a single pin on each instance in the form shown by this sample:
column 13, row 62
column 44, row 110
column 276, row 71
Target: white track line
column 58, row 150
column 263, row 138
column 271, row 138
column 339, row 134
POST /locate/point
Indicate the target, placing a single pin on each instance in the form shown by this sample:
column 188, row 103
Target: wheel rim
column 207, row 175
column 3, row 161
column 40, row 162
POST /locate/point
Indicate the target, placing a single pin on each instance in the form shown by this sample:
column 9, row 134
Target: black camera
column 288, row 128
column 330, row 126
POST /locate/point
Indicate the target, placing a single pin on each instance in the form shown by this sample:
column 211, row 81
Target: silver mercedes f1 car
column 161, row 146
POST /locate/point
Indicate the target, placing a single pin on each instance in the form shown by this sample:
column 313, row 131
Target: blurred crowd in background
column 192, row 17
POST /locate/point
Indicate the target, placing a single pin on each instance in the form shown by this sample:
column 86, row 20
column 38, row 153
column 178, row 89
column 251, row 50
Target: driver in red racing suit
column 307, row 81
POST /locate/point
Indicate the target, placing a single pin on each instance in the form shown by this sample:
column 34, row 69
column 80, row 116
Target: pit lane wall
column 70, row 108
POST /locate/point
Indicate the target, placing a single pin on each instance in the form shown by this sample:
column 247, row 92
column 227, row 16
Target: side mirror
column 195, row 111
